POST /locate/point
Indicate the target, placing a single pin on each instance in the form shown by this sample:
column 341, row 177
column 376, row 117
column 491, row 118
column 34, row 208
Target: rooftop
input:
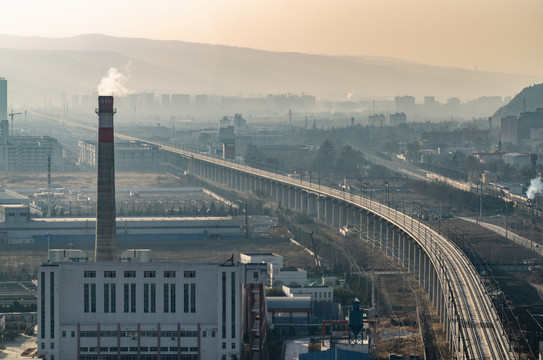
column 283, row 302
column 260, row 254
column 134, row 219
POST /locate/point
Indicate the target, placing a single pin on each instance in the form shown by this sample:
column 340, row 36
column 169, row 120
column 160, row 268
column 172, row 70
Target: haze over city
column 500, row 36
column 250, row 180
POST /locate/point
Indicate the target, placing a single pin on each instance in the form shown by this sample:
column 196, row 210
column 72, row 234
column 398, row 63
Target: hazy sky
column 496, row 35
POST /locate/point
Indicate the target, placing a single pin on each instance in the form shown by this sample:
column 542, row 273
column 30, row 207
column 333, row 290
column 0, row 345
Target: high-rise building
column 404, row 104
column 377, row 120
column 397, row 119
column 3, row 99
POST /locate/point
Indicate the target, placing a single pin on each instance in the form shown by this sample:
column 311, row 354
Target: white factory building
column 18, row 227
column 279, row 275
column 148, row 310
column 316, row 293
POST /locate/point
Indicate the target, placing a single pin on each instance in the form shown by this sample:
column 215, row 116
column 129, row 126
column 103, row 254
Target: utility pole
column 291, row 126
column 481, row 203
column 49, row 185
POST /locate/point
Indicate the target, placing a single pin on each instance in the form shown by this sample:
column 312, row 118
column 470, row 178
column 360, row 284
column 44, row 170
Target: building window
column 126, row 298
column 172, row 298
column 192, row 298
column 93, row 297
column 149, row 274
column 166, row 298
column 52, row 303
column 89, row 274
column 42, row 345
column 52, row 345
column 204, row 333
column 145, row 298
column 42, row 305
column 63, row 333
column 189, row 274
column 86, row 307
column 113, row 297
column 73, row 334
column 109, row 274
column 169, row 274
column 133, row 298
column 255, row 274
column 129, row 274
column 233, row 302
column 223, row 290
column 224, row 345
column 106, row 298
column 233, row 345
column 153, row 298
column 212, row 333
column 186, row 298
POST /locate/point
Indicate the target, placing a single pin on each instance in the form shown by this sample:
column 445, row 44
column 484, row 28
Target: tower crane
column 11, row 115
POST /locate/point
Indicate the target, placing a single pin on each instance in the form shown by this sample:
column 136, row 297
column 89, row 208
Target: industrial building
column 144, row 310
column 279, row 275
column 131, row 308
column 460, row 137
column 129, row 155
column 18, row 227
column 29, row 153
column 315, row 293
column 515, row 129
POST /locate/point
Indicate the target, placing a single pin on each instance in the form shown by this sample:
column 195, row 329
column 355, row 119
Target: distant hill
column 532, row 96
column 47, row 67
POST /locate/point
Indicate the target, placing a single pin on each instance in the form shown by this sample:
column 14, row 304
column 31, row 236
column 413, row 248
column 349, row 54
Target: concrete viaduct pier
column 450, row 280
column 470, row 321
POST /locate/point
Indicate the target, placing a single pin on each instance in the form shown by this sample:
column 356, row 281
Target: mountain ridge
column 182, row 67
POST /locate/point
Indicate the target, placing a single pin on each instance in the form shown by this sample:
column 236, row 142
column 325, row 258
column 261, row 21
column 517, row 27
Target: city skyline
column 487, row 35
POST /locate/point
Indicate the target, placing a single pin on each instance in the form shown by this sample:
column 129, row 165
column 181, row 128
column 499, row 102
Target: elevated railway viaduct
column 470, row 321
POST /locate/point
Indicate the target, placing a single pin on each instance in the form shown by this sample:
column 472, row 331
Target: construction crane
column 11, row 115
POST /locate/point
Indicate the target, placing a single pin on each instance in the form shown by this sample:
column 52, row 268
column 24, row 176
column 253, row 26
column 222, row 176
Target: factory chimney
column 105, row 244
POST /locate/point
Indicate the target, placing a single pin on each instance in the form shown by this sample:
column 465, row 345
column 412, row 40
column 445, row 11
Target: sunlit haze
column 490, row 35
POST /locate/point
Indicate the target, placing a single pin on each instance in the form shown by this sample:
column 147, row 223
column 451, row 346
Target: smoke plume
column 535, row 188
column 114, row 83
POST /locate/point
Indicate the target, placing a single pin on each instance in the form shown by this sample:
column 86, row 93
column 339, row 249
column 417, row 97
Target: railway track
column 476, row 330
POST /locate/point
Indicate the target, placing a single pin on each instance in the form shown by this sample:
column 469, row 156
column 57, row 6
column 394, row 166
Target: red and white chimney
column 105, row 243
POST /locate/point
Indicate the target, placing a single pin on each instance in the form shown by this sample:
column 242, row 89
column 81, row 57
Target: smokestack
column 105, row 244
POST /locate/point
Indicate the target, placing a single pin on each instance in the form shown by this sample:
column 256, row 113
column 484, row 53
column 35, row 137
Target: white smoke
column 114, row 83
column 535, row 188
